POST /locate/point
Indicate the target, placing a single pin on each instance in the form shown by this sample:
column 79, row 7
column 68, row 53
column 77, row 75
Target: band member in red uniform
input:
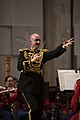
column 4, row 114
column 75, row 102
column 7, row 97
column 30, row 64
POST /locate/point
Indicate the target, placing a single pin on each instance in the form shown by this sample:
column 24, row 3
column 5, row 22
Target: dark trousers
column 21, row 115
column 5, row 115
column 35, row 102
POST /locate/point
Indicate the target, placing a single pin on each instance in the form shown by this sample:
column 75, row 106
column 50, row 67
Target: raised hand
column 68, row 42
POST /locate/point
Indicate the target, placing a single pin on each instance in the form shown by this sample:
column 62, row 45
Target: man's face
column 35, row 40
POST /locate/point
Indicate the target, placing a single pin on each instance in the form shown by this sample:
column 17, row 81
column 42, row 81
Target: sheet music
column 67, row 79
column 70, row 80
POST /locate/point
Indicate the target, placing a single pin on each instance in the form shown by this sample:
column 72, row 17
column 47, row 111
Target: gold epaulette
column 44, row 50
column 23, row 49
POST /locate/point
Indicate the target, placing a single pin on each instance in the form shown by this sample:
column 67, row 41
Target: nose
column 38, row 41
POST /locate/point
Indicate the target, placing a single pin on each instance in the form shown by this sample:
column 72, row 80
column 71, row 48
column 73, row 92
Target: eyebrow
column 37, row 39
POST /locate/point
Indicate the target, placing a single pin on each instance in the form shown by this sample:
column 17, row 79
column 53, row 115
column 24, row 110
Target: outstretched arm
column 68, row 42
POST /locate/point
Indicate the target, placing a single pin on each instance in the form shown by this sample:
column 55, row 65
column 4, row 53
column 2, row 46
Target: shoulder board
column 44, row 50
column 24, row 49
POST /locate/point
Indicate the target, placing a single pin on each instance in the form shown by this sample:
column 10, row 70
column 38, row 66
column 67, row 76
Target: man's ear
column 30, row 42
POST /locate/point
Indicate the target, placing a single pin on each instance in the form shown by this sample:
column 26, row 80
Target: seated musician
column 75, row 101
column 19, row 107
column 7, row 97
column 4, row 114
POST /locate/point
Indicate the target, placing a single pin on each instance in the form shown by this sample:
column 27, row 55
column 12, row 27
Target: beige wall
column 18, row 19
column 57, row 28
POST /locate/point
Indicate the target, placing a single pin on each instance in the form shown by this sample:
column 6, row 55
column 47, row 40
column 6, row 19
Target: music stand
column 66, row 81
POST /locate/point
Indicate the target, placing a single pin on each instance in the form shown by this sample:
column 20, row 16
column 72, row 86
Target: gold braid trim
column 32, row 66
column 24, row 65
column 35, row 67
column 29, row 113
column 23, row 49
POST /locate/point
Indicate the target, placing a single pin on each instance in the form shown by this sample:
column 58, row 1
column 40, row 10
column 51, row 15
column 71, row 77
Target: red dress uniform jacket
column 75, row 101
